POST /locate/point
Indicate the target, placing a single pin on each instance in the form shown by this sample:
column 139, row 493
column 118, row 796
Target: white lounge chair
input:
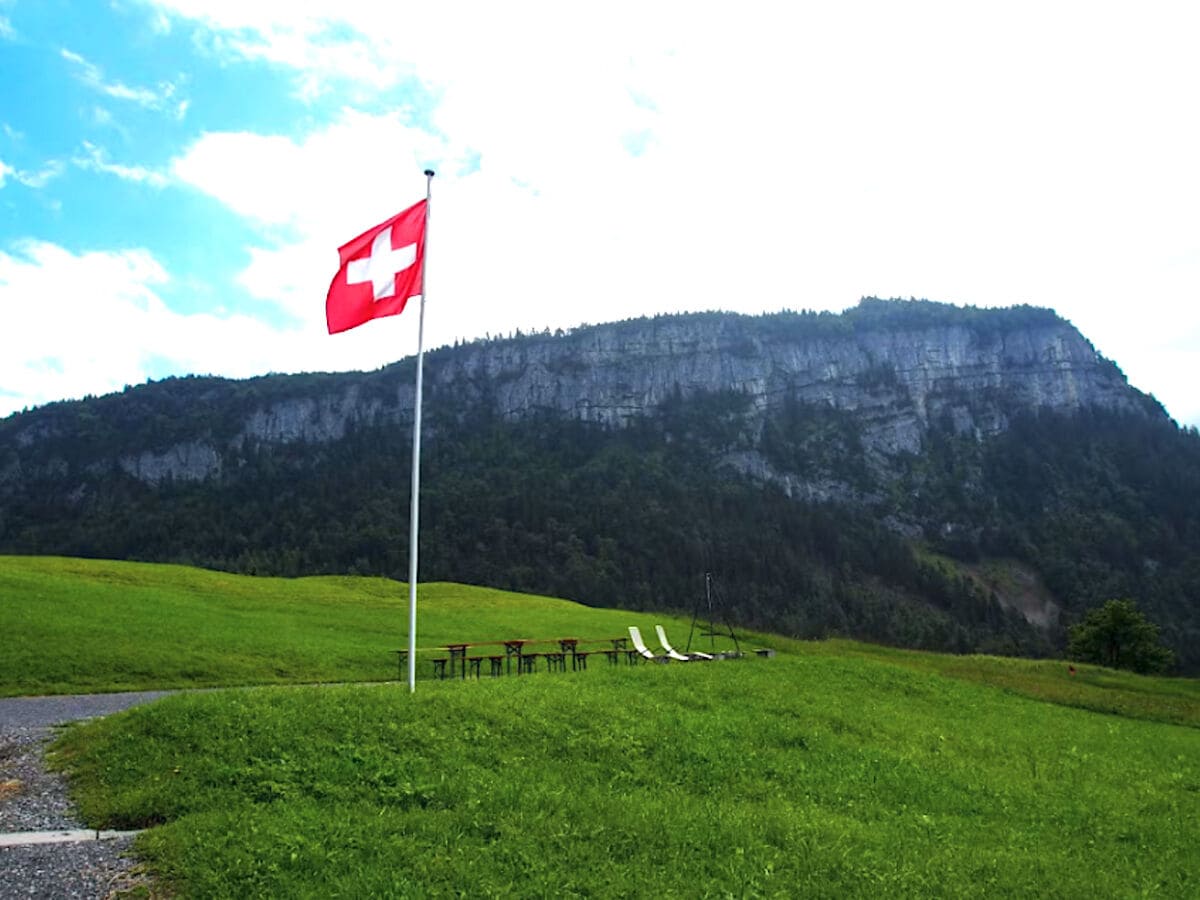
column 672, row 652
column 635, row 635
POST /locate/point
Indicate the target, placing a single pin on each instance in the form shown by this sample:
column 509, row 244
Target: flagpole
column 415, row 499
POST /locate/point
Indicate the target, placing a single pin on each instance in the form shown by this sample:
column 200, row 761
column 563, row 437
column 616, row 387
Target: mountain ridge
column 845, row 471
column 611, row 374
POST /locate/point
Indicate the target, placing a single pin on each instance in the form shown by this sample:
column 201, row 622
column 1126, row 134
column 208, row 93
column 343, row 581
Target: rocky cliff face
column 898, row 382
column 895, row 381
column 970, row 370
column 316, row 419
column 190, row 461
column 907, row 422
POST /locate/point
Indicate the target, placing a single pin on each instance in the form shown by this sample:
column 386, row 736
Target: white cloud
column 317, row 41
column 318, row 192
column 95, row 159
column 160, row 23
column 89, row 323
column 276, row 181
column 795, row 157
column 93, row 76
column 7, row 32
column 42, row 177
column 5, row 171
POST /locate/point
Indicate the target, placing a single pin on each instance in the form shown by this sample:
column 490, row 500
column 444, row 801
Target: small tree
column 1119, row 636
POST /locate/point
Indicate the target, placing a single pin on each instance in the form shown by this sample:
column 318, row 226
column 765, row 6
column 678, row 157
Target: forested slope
column 889, row 502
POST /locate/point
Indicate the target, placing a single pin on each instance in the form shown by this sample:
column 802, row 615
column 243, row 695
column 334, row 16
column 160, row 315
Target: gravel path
column 28, row 712
column 32, row 799
column 93, row 869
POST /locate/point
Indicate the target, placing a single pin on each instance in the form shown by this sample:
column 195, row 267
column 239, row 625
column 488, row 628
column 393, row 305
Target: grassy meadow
column 834, row 769
column 84, row 626
column 797, row 776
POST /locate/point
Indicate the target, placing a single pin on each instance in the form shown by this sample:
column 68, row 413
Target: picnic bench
column 463, row 658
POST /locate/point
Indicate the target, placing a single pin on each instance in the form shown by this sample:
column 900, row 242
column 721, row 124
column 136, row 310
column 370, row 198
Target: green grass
column 1095, row 688
column 805, row 775
column 834, row 769
column 74, row 626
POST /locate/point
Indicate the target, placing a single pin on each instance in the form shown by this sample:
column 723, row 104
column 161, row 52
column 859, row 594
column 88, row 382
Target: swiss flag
column 379, row 270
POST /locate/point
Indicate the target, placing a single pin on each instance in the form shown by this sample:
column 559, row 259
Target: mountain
column 907, row 471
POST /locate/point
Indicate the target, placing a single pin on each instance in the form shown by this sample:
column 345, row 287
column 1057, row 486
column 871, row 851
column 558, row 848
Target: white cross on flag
column 378, row 271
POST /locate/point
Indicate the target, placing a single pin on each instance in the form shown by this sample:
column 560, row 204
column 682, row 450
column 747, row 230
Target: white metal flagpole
column 415, row 499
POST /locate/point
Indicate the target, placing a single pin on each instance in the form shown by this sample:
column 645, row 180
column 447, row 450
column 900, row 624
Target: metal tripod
column 710, row 629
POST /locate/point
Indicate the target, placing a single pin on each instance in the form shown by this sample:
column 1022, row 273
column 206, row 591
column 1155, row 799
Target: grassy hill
column 834, row 769
column 73, row 625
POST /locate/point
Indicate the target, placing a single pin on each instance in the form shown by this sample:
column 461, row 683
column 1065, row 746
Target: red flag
column 379, row 270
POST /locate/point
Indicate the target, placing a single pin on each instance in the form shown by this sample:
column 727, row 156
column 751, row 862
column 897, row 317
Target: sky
column 177, row 175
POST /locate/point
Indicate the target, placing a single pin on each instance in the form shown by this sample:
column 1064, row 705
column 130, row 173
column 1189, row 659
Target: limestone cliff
column 602, row 464
column 896, row 381
column 896, row 374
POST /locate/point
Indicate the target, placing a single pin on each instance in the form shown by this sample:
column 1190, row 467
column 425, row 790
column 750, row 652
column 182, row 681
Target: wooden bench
column 498, row 664
column 513, row 649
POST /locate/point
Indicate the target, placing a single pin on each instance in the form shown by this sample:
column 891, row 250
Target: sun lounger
column 671, row 651
column 635, row 635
